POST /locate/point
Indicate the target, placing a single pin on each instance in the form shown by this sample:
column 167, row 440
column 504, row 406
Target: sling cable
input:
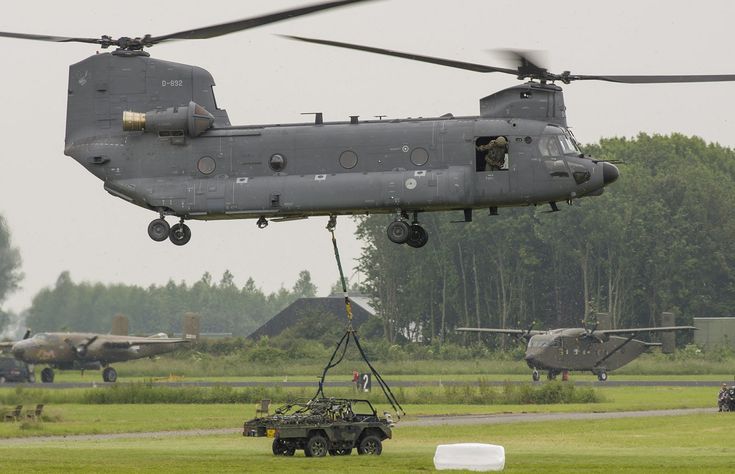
column 350, row 333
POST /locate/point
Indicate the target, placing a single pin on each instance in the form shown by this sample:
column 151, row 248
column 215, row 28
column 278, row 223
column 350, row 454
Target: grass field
column 659, row 444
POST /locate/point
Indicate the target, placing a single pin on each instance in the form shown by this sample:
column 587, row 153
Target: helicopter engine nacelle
column 192, row 120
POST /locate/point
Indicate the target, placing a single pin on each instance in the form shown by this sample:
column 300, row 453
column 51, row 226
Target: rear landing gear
column 535, row 375
column 602, row 376
column 401, row 232
column 159, row 230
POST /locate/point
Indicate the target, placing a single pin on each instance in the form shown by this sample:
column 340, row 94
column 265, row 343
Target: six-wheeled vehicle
column 323, row 426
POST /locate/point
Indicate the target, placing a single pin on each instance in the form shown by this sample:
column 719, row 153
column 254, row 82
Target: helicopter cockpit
column 556, row 142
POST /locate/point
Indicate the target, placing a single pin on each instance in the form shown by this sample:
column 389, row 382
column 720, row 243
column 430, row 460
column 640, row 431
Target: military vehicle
column 153, row 133
column 586, row 349
column 87, row 351
column 323, row 425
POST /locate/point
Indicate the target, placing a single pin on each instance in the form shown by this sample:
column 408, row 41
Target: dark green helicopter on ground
column 153, row 133
column 596, row 350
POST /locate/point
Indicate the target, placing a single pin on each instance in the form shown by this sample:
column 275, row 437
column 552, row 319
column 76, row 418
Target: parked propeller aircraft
column 83, row 351
column 596, row 350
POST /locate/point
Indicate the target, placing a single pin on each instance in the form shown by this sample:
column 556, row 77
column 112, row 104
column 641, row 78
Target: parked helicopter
column 153, row 133
column 596, row 350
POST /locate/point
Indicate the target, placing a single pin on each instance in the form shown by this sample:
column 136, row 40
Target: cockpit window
column 556, row 141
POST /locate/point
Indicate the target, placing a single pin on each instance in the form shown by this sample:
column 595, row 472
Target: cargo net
column 350, row 334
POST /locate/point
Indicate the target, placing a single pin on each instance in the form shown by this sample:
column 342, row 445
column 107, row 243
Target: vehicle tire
column 109, row 375
column 47, row 375
column 280, row 448
column 725, row 407
column 602, row 376
column 340, row 452
column 417, row 236
column 316, row 446
column 370, row 444
column 398, row 232
column 158, row 230
column 180, row 234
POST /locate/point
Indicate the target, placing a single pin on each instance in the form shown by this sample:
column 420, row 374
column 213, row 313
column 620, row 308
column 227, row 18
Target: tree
column 304, row 288
column 10, row 261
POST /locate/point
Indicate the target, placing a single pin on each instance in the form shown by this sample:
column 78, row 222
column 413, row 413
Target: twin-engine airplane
column 596, row 350
column 87, row 351
column 153, row 133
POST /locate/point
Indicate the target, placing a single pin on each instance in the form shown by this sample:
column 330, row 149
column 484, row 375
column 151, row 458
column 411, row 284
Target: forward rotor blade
column 55, row 39
column 655, row 79
column 247, row 23
column 414, row 57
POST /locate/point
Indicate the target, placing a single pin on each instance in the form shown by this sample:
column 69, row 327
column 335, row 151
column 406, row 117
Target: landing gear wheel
column 370, row 445
column 417, row 236
column 551, row 375
column 158, row 230
column 316, row 447
column 602, row 376
column 109, row 374
column 398, row 232
column 180, row 234
column 281, row 448
column 535, row 376
column 47, row 375
column 340, row 452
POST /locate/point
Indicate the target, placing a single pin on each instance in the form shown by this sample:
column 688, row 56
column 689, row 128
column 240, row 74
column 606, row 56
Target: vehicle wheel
column 535, row 376
column 725, row 407
column 47, row 375
column 417, row 236
column 602, row 376
column 398, row 232
column 158, row 230
column 180, row 234
column 316, row 447
column 280, row 448
column 370, row 444
column 340, row 452
column 109, row 375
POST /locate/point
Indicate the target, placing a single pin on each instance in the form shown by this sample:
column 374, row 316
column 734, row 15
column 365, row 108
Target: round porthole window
column 348, row 159
column 206, row 165
column 277, row 162
column 419, row 156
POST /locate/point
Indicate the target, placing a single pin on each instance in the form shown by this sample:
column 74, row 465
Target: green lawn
column 676, row 444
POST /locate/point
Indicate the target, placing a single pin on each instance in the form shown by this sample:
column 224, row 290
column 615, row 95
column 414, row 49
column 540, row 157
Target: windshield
column 556, row 141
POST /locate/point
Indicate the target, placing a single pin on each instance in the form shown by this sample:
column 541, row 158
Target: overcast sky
column 62, row 219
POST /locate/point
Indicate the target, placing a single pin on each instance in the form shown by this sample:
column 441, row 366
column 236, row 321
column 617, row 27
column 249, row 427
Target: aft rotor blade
column 414, row 57
column 247, row 23
column 656, row 79
column 55, row 39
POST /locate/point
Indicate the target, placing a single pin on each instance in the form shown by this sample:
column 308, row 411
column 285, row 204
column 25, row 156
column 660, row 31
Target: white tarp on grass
column 470, row 456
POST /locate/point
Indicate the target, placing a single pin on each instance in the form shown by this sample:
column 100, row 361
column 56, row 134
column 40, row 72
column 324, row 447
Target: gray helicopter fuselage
column 320, row 168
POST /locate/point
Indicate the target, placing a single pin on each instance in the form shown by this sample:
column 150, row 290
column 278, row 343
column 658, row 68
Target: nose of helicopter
column 610, row 173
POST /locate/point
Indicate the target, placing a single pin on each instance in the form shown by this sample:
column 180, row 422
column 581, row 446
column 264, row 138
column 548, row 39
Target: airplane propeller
column 80, row 350
column 526, row 68
column 138, row 43
column 27, row 334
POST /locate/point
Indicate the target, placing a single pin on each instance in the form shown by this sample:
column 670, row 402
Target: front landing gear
column 159, row 230
column 401, row 232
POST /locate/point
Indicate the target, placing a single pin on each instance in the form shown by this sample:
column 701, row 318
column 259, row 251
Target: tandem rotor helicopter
column 153, row 133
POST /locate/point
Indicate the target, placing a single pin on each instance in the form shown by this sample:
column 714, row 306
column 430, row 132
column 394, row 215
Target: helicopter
column 152, row 131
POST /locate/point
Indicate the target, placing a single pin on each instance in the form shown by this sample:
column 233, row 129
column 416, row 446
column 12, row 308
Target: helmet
column 501, row 141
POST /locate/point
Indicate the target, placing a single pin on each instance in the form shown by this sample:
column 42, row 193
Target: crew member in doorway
column 355, row 380
column 495, row 151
